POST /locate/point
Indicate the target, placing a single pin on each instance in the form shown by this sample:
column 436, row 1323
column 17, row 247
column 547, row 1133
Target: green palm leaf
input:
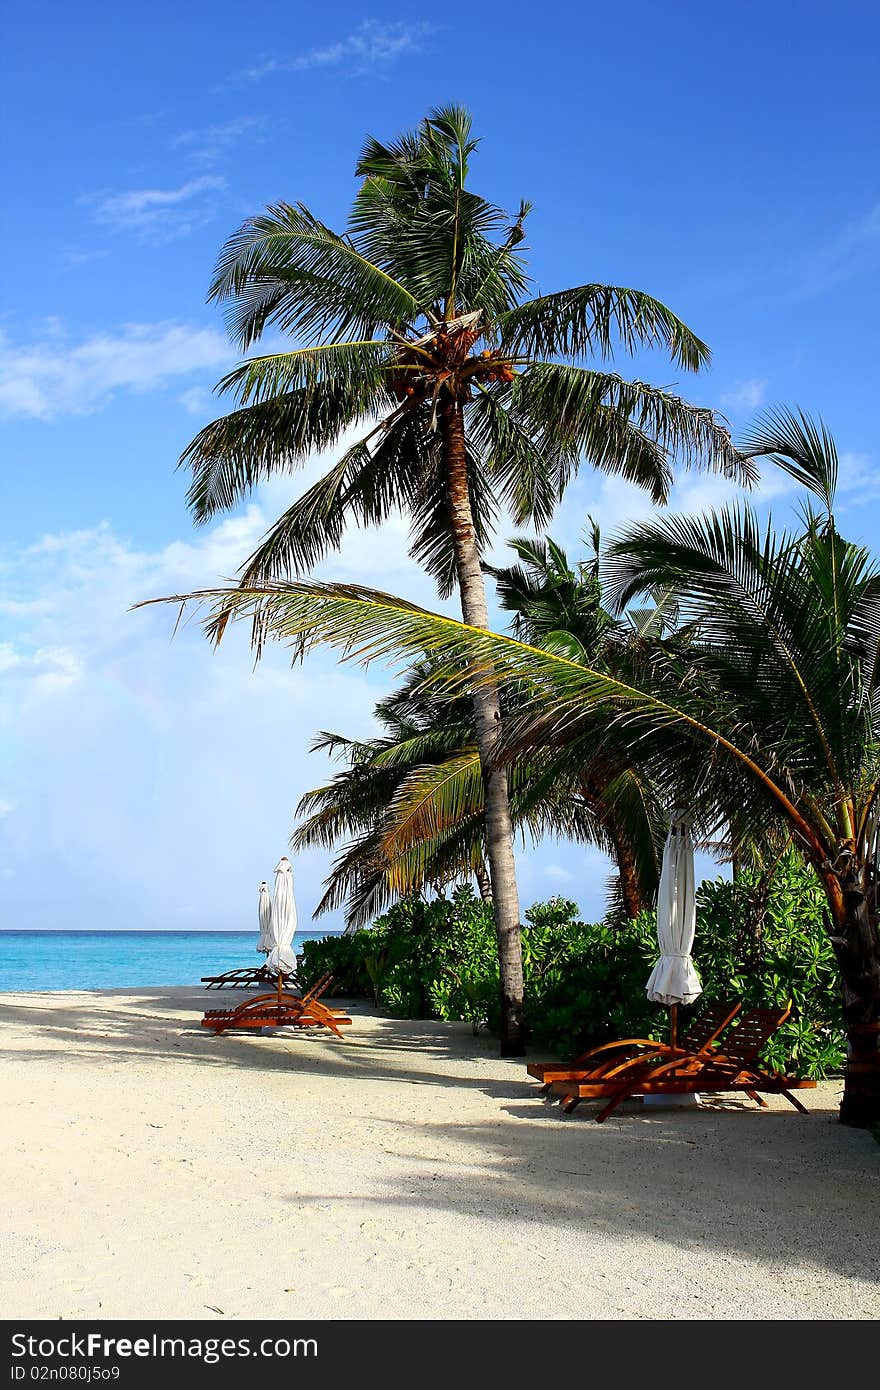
column 285, row 267
column 592, row 319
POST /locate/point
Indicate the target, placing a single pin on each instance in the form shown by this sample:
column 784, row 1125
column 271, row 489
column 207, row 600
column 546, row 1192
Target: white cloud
column 159, row 213
column 210, row 143
column 157, row 776
column 44, row 670
column 852, row 251
column 55, row 377
column 558, row 874
column 6, row 807
column 370, row 48
column 196, row 401
column 74, row 256
column 858, row 479
column 746, row 395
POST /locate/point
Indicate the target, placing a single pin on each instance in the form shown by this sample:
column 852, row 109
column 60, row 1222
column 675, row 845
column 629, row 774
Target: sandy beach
column 154, row 1170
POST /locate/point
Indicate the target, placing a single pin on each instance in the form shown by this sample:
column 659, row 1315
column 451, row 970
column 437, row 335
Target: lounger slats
column 733, row 1068
column 280, row 1010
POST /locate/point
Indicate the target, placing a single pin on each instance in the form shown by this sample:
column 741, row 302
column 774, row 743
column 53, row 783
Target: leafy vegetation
column 761, row 712
column 762, row 942
column 407, row 812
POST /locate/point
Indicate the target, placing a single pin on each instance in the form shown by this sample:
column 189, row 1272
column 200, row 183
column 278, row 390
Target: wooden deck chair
column 702, row 1032
column 280, row 1010
column 246, row 976
column 735, row 1068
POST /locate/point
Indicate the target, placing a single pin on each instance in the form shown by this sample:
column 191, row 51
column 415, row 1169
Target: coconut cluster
column 416, row 376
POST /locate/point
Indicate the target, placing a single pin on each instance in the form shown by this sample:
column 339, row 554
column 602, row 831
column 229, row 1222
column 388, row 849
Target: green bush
column 767, row 943
column 763, row 943
column 421, row 959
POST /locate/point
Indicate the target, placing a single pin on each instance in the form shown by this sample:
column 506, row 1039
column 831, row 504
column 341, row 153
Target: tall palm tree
column 407, row 810
column 414, row 328
column 408, row 807
column 559, row 606
column 770, row 715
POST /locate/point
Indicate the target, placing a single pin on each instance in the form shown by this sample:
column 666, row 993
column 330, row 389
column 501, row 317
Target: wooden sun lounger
column 702, row 1032
column 280, row 1010
column 244, row 977
column 734, row 1069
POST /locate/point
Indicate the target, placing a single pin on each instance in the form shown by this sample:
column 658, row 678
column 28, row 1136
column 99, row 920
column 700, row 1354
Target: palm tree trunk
column 483, row 883
column 630, row 887
column 487, row 711
column 857, row 945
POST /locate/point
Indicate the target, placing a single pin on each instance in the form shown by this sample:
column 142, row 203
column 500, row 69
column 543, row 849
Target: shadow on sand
column 773, row 1186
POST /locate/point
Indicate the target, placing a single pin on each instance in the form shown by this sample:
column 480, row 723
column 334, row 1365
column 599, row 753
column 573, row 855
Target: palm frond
column 366, row 625
column 800, row 446
column 625, row 427
column 592, row 319
column 232, row 455
column 286, row 267
column 354, row 367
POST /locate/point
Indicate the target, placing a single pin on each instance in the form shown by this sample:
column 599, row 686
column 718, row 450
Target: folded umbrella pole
column 674, row 980
column 282, row 928
column 264, row 942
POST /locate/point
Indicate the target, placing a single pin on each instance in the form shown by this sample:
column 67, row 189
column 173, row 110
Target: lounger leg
column 796, row 1103
column 570, row 1103
column 545, row 1089
column 612, row 1105
column 753, row 1095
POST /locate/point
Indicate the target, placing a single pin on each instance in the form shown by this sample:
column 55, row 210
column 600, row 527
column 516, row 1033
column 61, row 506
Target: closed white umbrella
column 282, row 927
column 674, row 980
column 264, row 943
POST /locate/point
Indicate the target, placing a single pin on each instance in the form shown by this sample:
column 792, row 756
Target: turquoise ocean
column 35, row 960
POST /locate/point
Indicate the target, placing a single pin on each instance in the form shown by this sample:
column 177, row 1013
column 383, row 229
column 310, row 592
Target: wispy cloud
column 854, row 250
column 125, row 738
column 159, row 213
column 55, row 377
column 44, row 670
column 557, row 873
column 74, row 256
column 195, row 401
column 370, row 48
column 746, row 395
column 210, row 143
column 858, row 480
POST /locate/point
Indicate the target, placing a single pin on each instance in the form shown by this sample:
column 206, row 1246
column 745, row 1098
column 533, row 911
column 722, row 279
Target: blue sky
column 724, row 160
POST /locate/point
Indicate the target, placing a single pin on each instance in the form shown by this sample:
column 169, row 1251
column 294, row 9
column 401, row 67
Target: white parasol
column 674, row 980
column 265, row 911
column 283, row 924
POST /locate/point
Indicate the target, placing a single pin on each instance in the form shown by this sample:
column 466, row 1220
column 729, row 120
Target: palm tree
column 770, row 715
column 408, row 807
column 558, row 606
column 397, row 807
column 413, row 328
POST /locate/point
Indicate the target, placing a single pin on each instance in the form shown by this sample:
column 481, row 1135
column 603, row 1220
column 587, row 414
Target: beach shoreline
column 404, row 1172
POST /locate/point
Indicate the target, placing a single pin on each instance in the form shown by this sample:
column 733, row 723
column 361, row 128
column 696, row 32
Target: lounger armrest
column 623, row 1042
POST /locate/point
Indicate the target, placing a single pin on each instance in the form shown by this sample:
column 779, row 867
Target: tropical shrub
column 759, row 940
column 421, row 959
column 765, row 942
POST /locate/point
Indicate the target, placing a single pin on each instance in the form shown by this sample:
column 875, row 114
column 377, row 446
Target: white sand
column 151, row 1169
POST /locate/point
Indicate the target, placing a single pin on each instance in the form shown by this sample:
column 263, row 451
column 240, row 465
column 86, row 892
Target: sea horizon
column 84, row 958
column 312, row 932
